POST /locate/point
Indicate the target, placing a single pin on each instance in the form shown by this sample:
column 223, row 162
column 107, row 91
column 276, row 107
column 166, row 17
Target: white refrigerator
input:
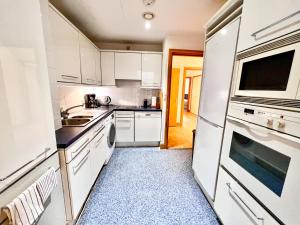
column 219, row 59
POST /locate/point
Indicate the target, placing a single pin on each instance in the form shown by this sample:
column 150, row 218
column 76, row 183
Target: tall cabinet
column 27, row 134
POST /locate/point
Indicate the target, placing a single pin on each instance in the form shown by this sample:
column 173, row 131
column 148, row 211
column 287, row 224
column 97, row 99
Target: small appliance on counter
column 104, row 100
column 90, row 101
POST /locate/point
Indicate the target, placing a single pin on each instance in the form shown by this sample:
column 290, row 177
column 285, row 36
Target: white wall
column 189, row 42
column 126, row 93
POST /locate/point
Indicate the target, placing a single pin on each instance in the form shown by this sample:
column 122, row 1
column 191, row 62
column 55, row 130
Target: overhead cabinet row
column 78, row 60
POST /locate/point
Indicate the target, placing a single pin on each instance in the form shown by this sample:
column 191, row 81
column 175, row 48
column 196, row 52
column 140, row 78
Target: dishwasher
column 147, row 126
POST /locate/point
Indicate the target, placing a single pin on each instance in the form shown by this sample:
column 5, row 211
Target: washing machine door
column 111, row 135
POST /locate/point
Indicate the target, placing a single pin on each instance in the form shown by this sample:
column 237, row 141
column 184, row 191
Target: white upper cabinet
column 65, row 48
column 98, row 67
column 151, row 70
column 108, row 68
column 128, row 65
column 27, row 129
column 265, row 20
column 88, row 60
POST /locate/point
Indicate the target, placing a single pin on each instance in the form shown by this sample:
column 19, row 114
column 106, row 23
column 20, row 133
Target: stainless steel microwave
column 271, row 74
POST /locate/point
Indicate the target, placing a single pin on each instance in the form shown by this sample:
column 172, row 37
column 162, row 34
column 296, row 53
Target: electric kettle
column 104, row 100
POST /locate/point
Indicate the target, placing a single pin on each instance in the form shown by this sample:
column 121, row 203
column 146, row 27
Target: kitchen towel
column 26, row 208
column 46, row 183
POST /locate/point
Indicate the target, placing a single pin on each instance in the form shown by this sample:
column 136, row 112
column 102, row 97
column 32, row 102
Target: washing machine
column 110, row 130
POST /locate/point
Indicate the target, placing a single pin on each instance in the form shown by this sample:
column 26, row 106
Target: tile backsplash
column 124, row 93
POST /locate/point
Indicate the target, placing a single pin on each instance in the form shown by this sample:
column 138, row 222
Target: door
column 218, row 68
column 207, row 154
column 26, row 116
column 173, row 108
column 128, row 66
column 66, row 48
column 108, row 68
column 263, row 21
column 98, row 154
column 87, row 60
column 125, row 129
column 195, row 92
column 151, row 70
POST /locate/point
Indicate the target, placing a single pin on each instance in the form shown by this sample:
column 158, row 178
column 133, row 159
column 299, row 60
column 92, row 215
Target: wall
column 125, row 93
column 188, row 42
column 130, row 46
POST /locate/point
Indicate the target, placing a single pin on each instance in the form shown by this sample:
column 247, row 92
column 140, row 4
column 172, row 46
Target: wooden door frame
column 174, row 52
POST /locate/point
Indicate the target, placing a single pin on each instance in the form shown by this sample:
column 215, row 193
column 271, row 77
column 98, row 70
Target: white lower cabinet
column 125, row 129
column 98, row 154
column 147, row 126
column 235, row 206
column 80, row 179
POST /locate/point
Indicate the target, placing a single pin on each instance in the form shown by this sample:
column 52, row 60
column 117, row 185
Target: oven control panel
column 284, row 121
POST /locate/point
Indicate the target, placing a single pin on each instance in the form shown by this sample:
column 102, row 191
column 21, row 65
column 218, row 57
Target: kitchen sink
column 75, row 122
column 81, row 117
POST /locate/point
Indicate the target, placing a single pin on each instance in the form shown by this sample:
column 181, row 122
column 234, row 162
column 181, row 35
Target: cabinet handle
column 274, row 24
column 78, row 150
column 26, row 164
column 69, row 77
column 81, row 162
column 148, row 114
column 99, row 130
column 237, row 198
column 99, row 140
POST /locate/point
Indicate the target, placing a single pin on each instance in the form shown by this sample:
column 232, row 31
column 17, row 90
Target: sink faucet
column 65, row 113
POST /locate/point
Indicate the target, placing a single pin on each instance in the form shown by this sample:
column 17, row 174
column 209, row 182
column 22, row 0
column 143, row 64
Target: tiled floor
column 181, row 136
column 147, row 186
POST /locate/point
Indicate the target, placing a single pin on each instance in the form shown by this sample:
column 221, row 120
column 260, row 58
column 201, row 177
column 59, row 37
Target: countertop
column 66, row 136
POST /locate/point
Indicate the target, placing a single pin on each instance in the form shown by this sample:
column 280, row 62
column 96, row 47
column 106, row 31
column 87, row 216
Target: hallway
column 182, row 136
column 146, row 186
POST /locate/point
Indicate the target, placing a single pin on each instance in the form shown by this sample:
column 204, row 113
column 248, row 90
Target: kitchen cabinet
column 26, row 116
column 151, row 70
column 65, row 48
column 263, row 21
column 128, row 65
column 108, row 68
column 88, row 60
column 147, row 126
column 235, row 206
column 124, row 126
column 98, row 68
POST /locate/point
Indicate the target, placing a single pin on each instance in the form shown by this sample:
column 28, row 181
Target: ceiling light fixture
column 148, row 2
column 148, row 15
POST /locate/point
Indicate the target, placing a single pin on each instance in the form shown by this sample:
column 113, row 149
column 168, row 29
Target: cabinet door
column 124, row 129
column 128, row 66
column 265, row 20
column 108, row 68
column 98, row 68
column 147, row 126
column 88, row 60
column 27, row 134
column 98, row 154
column 65, row 48
column 151, row 70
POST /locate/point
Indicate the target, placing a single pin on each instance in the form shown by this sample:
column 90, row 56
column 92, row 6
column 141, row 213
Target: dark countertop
column 66, row 136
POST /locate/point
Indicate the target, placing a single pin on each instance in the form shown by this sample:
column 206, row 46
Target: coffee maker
column 90, row 101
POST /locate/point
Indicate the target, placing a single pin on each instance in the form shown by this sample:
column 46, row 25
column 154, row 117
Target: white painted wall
column 189, row 42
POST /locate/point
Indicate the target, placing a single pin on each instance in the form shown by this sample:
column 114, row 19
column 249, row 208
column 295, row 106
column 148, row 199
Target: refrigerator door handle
column 210, row 123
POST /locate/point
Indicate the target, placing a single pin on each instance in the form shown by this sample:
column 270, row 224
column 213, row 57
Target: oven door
column 267, row 163
column 273, row 74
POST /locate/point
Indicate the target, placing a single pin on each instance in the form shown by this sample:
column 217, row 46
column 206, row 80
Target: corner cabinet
column 151, row 70
column 65, row 48
column 27, row 134
column 88, row 60
column 128, row 65
column 108, row 68
column 263, row 21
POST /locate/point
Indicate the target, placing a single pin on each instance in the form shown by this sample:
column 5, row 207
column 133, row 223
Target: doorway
column 184, row 83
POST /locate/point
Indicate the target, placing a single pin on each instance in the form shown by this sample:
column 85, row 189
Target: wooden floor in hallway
column 182, row 136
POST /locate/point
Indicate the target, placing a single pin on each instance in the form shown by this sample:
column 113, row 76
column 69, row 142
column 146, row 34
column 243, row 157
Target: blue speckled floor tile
column 142, row 186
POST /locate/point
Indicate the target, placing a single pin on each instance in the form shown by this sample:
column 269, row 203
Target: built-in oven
column 267, row 163
column 269, row 73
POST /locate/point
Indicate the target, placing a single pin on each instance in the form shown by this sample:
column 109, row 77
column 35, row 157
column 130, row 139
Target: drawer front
column 124, row 129
column 148, row 114
column 78, row 146
column 235, row 206
column 124, row 113
column 100, row 127
column 80, row 182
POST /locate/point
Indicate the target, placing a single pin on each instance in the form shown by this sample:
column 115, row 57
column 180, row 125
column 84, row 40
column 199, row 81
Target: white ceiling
column 121, row 20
